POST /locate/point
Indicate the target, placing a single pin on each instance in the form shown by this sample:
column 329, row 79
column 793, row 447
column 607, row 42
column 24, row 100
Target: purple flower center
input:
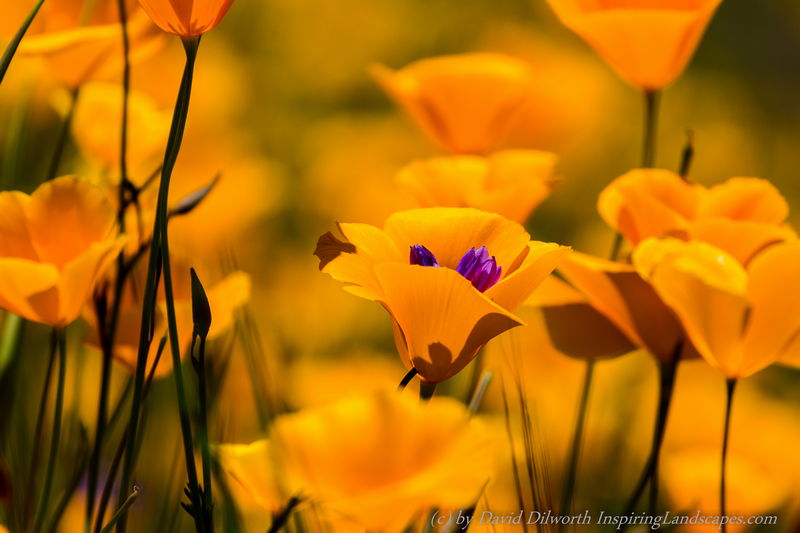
column 476, row 265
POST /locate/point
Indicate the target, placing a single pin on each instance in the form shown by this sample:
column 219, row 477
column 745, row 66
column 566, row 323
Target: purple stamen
column 479, row 268
column 422, row 256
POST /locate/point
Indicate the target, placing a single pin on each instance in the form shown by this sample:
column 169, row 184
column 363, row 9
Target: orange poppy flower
column 648, row 42
column 54, row 246
column 740, row 321
column 741, row 216
column 466, row 103
column 187, row 18
column 450, row 279
column 510, row 183
column 80, row 46
column 345, row 459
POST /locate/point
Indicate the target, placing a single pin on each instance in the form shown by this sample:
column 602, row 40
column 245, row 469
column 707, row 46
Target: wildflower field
column 397, row 266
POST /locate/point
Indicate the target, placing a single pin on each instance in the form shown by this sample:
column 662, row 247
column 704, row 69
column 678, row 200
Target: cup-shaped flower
column 375, row 461
column 648, row 42
column 81, row 44
column 740, row 321
column 186, row 18
column 443, row 315
column 619, row 293
column 54, row 246
column 511, row 183
column 465, row 103
column 742, row 215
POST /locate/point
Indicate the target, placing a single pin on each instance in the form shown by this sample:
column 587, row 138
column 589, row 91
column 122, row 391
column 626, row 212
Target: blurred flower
column 225, row 297
column 510, row 183
column 740, row 321
column 466, row 103
column 81, row 45
column 54, row 246
column 741, row 216
column 441, row 316
column 376, row 460
column 187, row 18
column 648, row 42
column 96, row 127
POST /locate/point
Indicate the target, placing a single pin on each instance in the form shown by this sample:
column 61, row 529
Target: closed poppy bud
column 648, row 42
column 54, row 246
column 466, row 273
column 465, row 103
column 186, row 18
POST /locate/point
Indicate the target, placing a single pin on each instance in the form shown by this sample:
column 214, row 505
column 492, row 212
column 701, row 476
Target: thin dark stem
column 407, row 379
column 158, row 251
column 666, row 373
column 687, row 156
column 426, row 390
column 731, row 388
column 11, row 49
column 577, row 439
column 280, row 519
column 63, row 135
column 30, row 488
column 56, row 434
column 205, row 448
column 651, row 99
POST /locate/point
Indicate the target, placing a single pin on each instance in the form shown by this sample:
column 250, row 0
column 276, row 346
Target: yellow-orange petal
column 442, row 319
column 251, row 467
column 16, row 241
column 628, row 301
column 774, row 321
column 743, row 239
column 187, row 18
column 648, row 42
column 466, row 103
column 706, row 288
column 66, row 216
column 750, row 199
column 517, row 286
column 450, row 232
column 28, row 289
column 648, row 203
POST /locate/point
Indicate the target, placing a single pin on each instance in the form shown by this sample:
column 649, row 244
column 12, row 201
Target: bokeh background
column 285, row 112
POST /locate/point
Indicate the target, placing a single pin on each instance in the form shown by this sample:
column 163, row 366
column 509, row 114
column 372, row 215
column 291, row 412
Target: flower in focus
column 466, row 103
column 480, row 268
column 648, row 42
column 510, row 183
column 375, row 460
column 740, row 321
column 741, row 215
column 54, row 246
column 81, row 45
column 225, row 297
column 187, row 18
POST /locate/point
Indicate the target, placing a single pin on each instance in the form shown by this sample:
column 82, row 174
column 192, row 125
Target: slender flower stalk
column 108, row 327
column 650, row 137
column 159, row 257
column 577, row 439
column 731, row 388
column 63, row 136
column 11, row 49
column 55, row 437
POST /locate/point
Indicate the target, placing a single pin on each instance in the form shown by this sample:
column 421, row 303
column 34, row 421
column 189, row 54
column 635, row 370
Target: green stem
column 731, row 388
column 11, row 49
column 123, row 510
column 63, row 135
column 12, row 331
column 426, row 390
column 30, row 488
column 205, row 448
column 407, row 379
column 577, row 439
column 157, row 253
column 651, row 99
column 56, row 434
